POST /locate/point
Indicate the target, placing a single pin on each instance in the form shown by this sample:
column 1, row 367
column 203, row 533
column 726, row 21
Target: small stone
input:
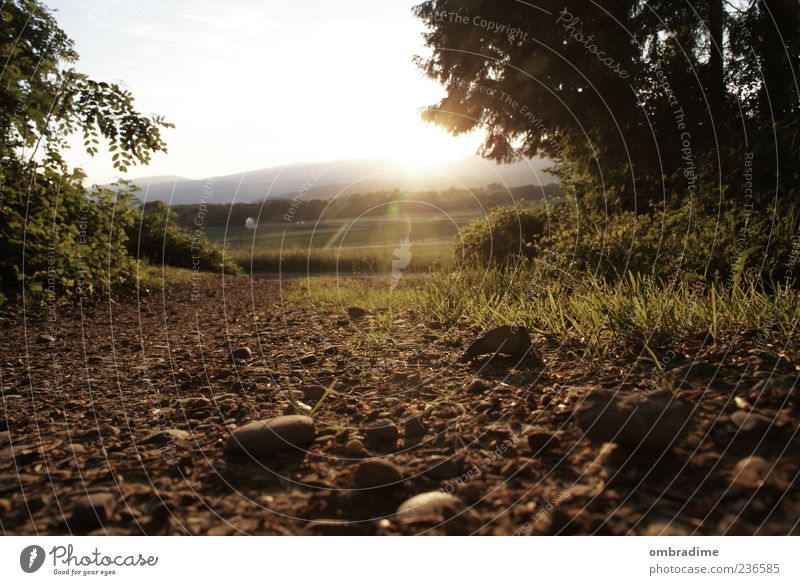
column 751, row 472
column 751, row 423
column 354, row 448
column 308, row 359
column 414, row 427
column 651, row 422
column 477, row 387
column 507, row 339
column 94, row 510
column 45, row 339
column 334, row 527
column 166, row 436
column 541, row 441
column 374, row 473
column 242, row 353
column 276, row 435
column 355, row 312
column 431, row 503
column 298, row 407
column 382, row 431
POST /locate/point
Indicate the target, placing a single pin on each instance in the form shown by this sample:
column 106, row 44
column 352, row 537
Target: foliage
column 640, row 103
column 55, row 236
column 503, row 233
column 156, row 237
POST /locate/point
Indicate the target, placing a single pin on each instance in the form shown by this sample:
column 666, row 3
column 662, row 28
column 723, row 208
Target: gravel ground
column 122, row 419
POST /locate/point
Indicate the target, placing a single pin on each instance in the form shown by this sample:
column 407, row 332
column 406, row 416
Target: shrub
column 156, row 237
column 504, row 233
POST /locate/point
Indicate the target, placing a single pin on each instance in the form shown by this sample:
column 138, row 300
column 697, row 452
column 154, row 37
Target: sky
column 251, row 84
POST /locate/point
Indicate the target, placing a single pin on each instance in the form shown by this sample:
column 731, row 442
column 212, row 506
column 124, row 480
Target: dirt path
column 119, row 425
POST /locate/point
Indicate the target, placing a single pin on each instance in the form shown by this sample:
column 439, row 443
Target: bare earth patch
column 121, row 423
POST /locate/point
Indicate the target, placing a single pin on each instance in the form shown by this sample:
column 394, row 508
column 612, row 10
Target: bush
column 157, row 238
column 504, row 233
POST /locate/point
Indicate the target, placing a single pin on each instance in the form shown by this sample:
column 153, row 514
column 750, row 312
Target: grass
column 158, row 277
column 575, row 311
column 346, row 261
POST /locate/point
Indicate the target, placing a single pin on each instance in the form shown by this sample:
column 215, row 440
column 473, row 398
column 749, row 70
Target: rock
column 308, row 359
column 276, row 435
column 166, row 436
column 431, row 503
column 374, row 473
column 751, row 423
column 354, row 448
column 751, row 472
column 477, row 387
column 414, row 428
column 242, row 353
column 334, row 527
column 508, row 340
column 45, row 339
column 355, row 312
column 651, row 422
column 541, row 441
column 94, row 510
column 298, row 407
column 382, row 431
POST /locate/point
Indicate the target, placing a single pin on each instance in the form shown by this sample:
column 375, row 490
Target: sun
column 422, row 147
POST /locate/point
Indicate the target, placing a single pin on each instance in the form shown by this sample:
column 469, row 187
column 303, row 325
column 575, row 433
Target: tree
column 640, row 103
column 54, row 235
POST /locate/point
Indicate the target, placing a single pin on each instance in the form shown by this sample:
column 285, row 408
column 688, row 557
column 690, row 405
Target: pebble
column 751, row 472
column 276, row 435
column 45, row 339
column 651, row 422
column 94, row 510
column 382, row 431
column 308, row 359
column 166, row 436
column 355, row 312
column 242, row 353
column 439, row 503
column 354, row 448
column 374, row 473
column 414, row 427
column 751, row 423
column 507, row 339
column 477, row 387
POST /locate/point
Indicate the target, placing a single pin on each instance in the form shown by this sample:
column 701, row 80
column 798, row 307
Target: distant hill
column 325, row 180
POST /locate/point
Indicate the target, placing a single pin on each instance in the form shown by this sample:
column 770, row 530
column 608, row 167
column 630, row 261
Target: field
column 364, row 245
